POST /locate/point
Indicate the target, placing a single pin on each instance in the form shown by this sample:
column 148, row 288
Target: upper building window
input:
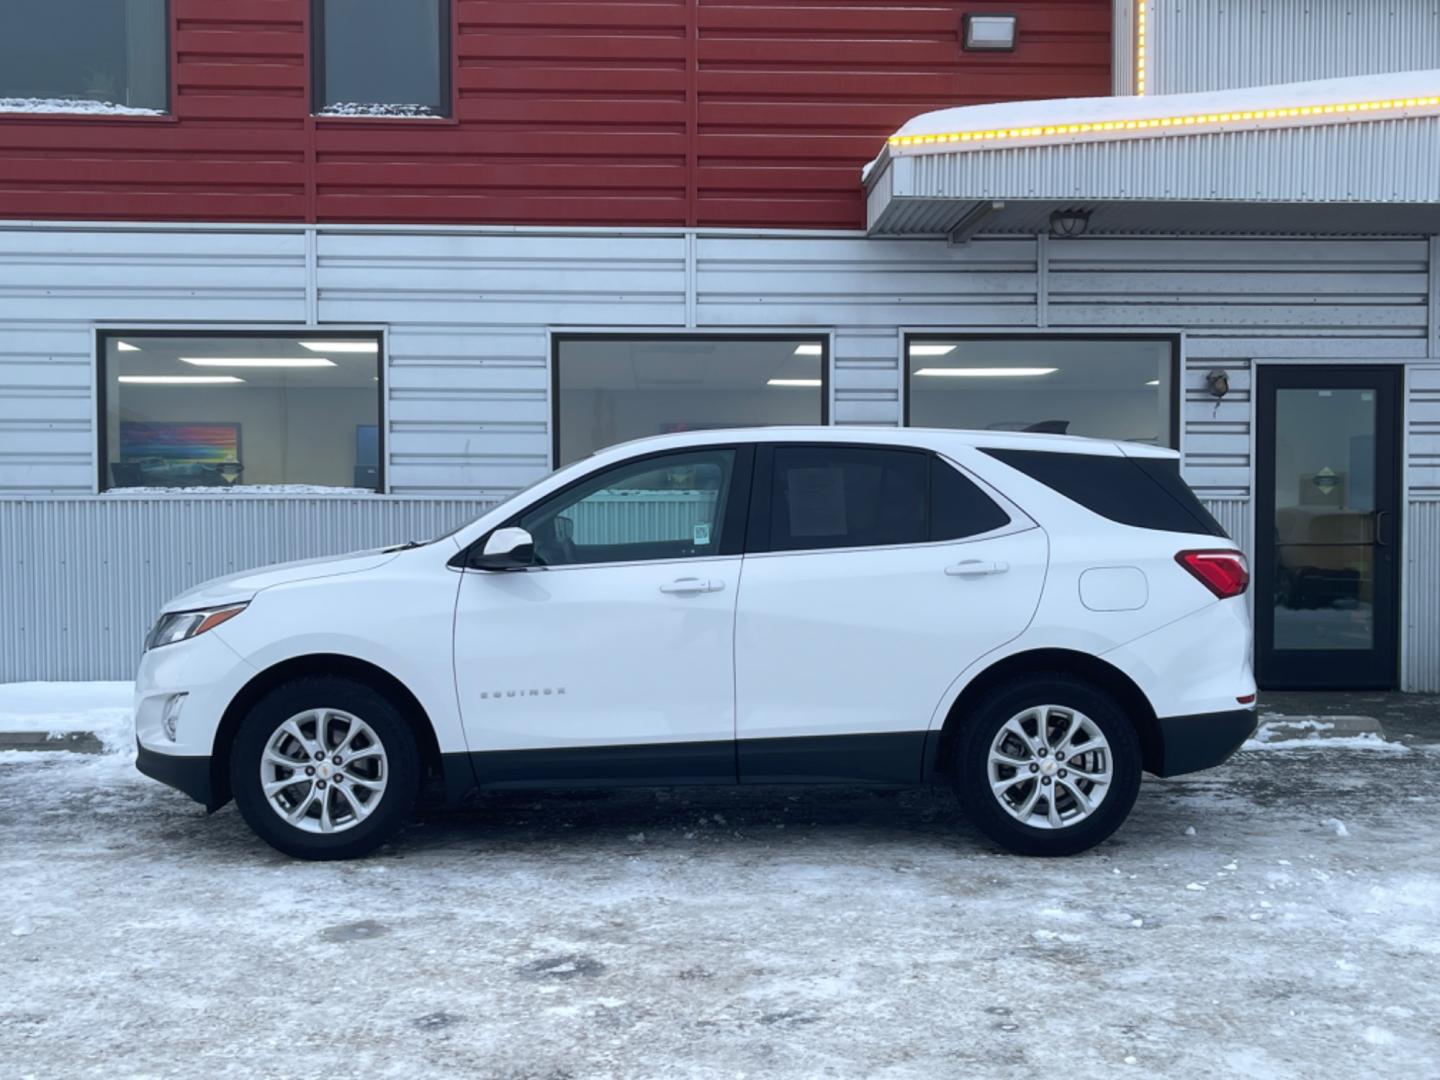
column 382, row 57
column 609, row 389
column 1112, row 388
column 79, row 56
column 187, row 409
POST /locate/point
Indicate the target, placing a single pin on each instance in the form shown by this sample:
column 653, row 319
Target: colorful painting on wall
column 179, row 443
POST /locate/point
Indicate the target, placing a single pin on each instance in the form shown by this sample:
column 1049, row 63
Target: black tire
column 396, row 802
column 970, row 764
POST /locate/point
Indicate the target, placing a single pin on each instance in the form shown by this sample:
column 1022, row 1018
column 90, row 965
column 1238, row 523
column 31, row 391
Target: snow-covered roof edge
column 1065, row 120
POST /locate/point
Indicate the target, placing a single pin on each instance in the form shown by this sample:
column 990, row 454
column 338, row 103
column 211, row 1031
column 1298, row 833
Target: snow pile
column 1311, row 733
column 245, row 489
column 375, row 108
column 72, row 106
column 1099, row 110
column 102, row 708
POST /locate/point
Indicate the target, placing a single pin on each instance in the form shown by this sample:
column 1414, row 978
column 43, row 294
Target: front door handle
column 976, row 568
column 687, row 585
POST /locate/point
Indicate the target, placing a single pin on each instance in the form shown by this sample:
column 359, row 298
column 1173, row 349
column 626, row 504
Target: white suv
column 1032, row 619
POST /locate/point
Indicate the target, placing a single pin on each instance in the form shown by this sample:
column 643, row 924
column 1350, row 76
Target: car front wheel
column 325, row 768
column 1048, row 766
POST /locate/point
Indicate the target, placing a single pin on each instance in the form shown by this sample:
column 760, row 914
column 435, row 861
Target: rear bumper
column 1202, row 741
column 190, row 775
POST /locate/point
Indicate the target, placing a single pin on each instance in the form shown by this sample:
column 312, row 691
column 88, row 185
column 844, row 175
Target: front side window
column 82, row 56
column 611, row 389
column 232, row 411
column 1117, row 388
column 382, row 57
column 667, row 507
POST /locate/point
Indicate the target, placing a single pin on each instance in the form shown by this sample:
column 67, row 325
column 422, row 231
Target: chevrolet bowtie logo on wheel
column 544, row 691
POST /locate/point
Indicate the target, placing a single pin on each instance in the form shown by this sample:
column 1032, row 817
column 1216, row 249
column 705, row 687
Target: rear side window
column 826, row 497
column 844, row 496
column 1147, row 493
column 958, row 508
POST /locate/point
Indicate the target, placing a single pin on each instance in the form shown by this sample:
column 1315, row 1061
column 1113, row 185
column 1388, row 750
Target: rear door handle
column 976, row 568
column 687, row 585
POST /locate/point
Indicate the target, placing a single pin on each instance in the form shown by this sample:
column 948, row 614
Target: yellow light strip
column 1141, row 18
column 1185, row 121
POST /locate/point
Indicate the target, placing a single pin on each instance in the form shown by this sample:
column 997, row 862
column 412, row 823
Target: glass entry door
column 1327, row 527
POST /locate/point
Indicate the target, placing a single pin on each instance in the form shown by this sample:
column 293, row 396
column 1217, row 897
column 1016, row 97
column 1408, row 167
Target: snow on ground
column 242, row 489
column 72, row 106
column 1277, row 732
column 1274, row 917
column 101, row 708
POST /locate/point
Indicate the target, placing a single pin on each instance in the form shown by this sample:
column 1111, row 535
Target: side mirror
column 506, row 549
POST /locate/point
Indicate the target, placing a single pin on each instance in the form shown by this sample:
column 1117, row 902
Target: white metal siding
column 468, row 313
column 1222, row 44
column 82, row 578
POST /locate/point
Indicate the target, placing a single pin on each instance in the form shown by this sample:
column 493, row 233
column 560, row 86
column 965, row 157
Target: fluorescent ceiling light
column 1153, row 382
column 341, row 346
column 931, row 350
column 258, row 361
column 809, row 350
column 125, row 346
column 792, row 382
column 180, row 379
column 986, row 372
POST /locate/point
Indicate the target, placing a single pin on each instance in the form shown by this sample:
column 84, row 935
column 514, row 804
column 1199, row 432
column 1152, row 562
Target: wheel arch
column 323, row 664
column 1079, row 665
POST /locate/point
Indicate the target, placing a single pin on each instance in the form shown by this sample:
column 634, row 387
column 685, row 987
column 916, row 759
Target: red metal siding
column 667, row 112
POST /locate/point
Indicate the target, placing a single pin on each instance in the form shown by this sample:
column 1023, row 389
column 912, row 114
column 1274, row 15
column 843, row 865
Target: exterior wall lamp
column 988, row 33
column 1069, row 223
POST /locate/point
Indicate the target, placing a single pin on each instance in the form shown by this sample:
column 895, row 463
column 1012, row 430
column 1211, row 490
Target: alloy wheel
column 1050, row 767
column 324, row 771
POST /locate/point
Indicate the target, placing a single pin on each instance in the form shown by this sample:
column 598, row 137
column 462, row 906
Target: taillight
column 1224, row 573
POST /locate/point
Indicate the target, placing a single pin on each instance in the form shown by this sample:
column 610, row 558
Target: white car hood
column 242, row 587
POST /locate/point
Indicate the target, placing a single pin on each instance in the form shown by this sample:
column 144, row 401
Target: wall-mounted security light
column 1218, row 383
column 988, row 33
column 1069, row 223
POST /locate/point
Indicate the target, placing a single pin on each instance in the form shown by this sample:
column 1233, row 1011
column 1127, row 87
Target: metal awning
column 1341, row 156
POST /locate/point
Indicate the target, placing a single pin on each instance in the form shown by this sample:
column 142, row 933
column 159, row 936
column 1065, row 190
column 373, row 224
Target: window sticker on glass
column 816, row 499
column 702, row 534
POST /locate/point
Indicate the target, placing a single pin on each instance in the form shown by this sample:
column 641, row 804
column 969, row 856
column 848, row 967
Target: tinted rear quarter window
column 958, row 508
column 1147, row 493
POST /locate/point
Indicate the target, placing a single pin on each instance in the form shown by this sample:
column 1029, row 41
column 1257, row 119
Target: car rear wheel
column 1048, row 765
column 325, row 768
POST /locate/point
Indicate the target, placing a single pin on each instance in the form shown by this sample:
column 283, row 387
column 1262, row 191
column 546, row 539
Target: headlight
column 176, row 626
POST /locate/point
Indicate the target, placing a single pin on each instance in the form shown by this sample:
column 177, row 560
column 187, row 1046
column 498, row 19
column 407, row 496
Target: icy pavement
column 1276, row 917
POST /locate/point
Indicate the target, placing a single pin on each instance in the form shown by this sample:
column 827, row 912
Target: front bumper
column 1191, row 743
column 190, row 775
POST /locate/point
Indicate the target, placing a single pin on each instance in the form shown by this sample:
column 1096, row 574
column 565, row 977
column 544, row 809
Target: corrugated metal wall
column 468, row 314
column 1217, row 44
column 627, row 112
column 81, row 579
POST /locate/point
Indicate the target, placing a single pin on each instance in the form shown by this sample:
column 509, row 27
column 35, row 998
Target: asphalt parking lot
column 1274, row 917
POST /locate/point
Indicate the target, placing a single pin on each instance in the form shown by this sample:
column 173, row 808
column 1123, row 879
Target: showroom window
column 1109, row 388
column 263, row 411
column 381, row 58
column 610, row 388
column 83, row 56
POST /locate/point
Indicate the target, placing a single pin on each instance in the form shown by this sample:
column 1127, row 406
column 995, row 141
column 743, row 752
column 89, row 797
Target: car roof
column 929, row 438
